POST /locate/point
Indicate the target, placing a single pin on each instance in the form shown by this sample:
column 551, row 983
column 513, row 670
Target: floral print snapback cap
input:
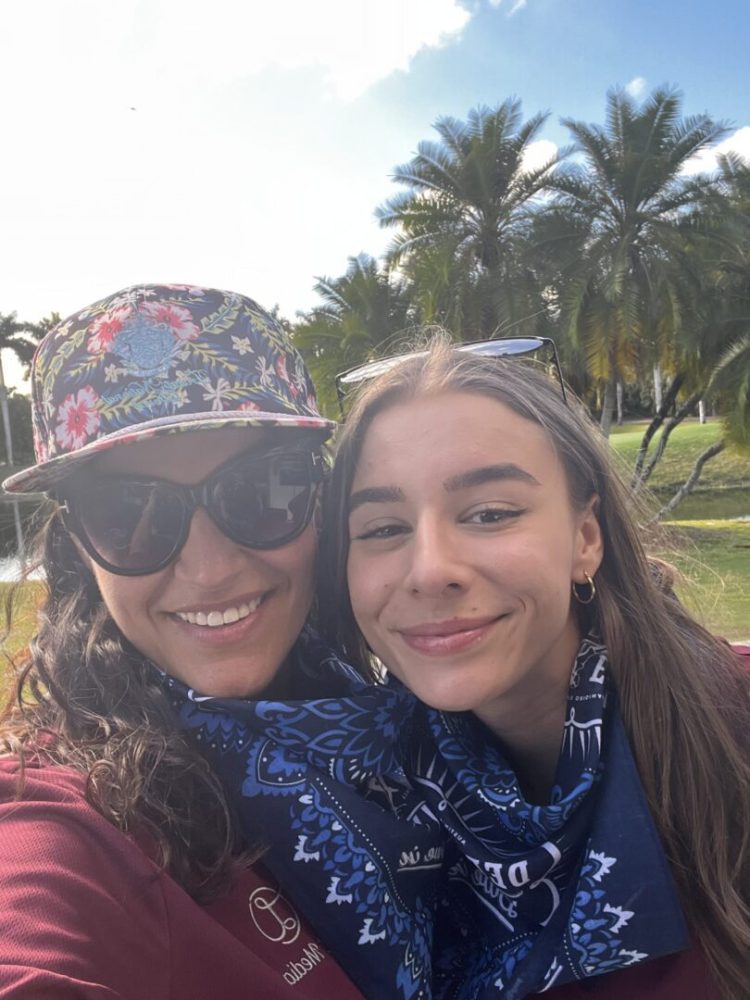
column 155, row 359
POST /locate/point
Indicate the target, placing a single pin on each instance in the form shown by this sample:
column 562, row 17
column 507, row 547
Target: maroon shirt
column 685, row 976
column 85, row 914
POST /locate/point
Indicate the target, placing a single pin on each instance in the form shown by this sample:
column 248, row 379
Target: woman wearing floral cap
column 177, row 435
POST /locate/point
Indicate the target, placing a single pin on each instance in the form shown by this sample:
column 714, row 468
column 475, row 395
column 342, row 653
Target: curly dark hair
column 86, row 699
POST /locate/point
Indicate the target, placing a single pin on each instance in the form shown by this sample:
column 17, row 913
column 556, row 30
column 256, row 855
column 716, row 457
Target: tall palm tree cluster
column 638, row 267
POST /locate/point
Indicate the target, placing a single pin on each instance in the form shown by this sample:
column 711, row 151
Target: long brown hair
column 86, row 699
column 684, row 697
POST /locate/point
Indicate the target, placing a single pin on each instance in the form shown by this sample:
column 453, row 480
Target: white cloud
column 170, row 44
column 637, row 87
column 244, row 163
column 707, row 160
column 515, row 6
column 354, row 42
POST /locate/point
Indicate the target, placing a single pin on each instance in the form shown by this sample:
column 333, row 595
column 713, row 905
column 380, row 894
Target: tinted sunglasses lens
column 132, row 526
column 261, row 502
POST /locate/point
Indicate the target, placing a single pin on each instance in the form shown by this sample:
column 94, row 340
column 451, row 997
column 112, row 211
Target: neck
column 533, row 750
column 530, row 720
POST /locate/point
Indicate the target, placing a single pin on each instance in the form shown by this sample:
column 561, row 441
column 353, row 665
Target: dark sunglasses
column 133, row 526
column 510, row 346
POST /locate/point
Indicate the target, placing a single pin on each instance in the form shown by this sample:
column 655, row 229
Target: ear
column 589, row 547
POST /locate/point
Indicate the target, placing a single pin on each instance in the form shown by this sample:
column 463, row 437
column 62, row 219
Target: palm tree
column 17, row 337
column 20, row 338
column 714, row 360
column 462, row 220
column 625, row 285
column 363, row 312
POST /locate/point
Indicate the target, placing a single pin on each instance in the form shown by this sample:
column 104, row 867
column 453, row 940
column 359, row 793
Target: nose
column 436, row 563
column 209, row 559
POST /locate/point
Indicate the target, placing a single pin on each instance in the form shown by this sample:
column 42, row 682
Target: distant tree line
column 637, row 268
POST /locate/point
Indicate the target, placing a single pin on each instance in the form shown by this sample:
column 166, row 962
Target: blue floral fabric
column 403, row 835
column 539, row 896
column 320, row 781
column 156, row 359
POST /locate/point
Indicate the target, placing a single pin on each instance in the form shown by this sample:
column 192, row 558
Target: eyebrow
column 489, row 474
column 464, row 480
column 375, row 494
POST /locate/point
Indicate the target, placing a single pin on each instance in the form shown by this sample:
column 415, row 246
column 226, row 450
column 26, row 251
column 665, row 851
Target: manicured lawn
column 714, row 558
column 686, row 443
column 24, row 622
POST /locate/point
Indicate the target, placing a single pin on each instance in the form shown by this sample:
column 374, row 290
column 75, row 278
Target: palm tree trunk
column 657, row 388
column 692, row 479
column 669, row 426
column 9, row 453
column 605, row 423
column 620, row 394
column 653, row 427
column 6, row 415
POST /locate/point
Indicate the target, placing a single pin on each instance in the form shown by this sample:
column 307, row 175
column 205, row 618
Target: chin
column 444, row 700
column 239, row 686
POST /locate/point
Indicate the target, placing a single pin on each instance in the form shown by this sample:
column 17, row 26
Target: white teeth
column 212, row 619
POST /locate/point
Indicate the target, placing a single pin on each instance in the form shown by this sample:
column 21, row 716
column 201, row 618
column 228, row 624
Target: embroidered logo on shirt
column 273, row 915
column 310, row 957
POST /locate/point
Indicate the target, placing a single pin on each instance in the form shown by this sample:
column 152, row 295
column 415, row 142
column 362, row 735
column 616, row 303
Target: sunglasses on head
column 133, row 526
column 507, row 347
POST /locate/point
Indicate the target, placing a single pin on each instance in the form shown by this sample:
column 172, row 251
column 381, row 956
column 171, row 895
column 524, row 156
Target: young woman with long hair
column 583, row 740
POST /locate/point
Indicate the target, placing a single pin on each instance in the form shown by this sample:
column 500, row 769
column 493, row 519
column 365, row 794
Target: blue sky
column 263, row 134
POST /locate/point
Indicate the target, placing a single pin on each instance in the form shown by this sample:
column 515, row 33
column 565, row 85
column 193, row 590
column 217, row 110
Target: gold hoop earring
column 586, row 598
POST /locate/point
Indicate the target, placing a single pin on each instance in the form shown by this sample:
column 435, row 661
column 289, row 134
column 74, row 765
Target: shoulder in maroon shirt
column 85, row 913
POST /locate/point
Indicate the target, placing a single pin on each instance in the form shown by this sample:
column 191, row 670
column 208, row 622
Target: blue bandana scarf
column 540, row 896
column 403, row 836
column 322, row 785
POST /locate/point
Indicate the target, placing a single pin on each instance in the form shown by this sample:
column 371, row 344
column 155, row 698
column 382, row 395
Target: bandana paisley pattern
column 322, row 784
column 404, row 836
column 539, row 896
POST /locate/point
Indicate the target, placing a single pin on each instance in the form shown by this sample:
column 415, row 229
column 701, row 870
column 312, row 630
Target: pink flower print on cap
column 177, row 319
column 105, row 328
column 155, row 359
column 77, row 419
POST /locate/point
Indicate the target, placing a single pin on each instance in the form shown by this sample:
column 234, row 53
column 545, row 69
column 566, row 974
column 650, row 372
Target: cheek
column 296, row 561
column 127, row 600
column 370, row 589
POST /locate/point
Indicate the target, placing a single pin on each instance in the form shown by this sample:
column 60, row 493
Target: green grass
column 714, row 559
column 24, row 623
column 712, row 554
column 686, row 443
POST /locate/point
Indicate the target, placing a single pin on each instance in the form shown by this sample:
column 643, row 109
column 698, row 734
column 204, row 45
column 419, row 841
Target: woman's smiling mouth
column 452, row 636
column 226, row 616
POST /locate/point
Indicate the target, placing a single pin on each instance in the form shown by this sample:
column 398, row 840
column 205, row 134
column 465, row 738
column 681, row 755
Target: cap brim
column 41, row 477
